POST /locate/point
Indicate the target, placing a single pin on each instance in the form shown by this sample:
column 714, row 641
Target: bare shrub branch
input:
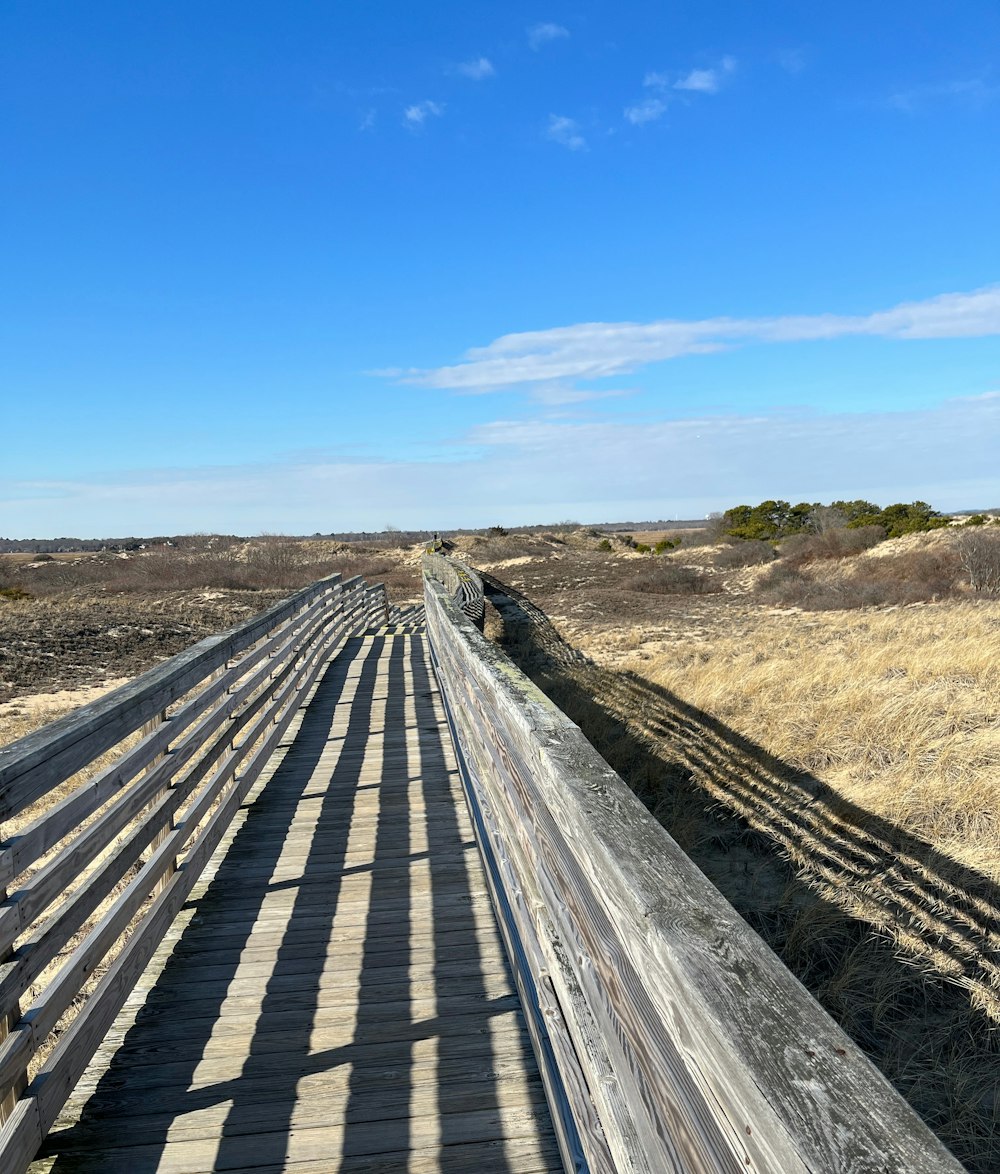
column 979, row 554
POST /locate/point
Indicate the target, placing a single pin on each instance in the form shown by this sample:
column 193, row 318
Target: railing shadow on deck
column 161, row 1053
column 799, row 862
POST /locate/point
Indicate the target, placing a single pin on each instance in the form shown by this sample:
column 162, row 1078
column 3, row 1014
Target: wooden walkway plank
column 336, row 996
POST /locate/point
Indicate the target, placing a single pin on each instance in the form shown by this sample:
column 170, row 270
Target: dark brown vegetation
column 673, row 578
column 916, row 576
column 68, row 622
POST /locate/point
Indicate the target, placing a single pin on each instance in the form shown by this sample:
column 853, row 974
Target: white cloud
column 536, row 470
column 657, row 81
column 477, row 69
column 542, row 34
column 368, row 121
column 706, row 81
column 648, row 110
column 975, row 92
column 417, row 114
column 565, row 131
column 596, row 350
column 683, row 468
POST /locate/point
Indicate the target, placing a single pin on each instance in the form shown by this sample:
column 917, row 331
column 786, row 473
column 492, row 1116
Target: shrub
column 665, row 544
column 642, row 547
column 770, row 519
column 778, row 519
column 14, row 593
column 497, row 532
column 669, row 578
column 604, row 544
column 979, row 554
column 902, row 518
column 747, row 552
column 916, row 577
column 800, row 549
column 976, row 520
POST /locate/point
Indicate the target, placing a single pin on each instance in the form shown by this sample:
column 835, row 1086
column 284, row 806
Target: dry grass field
column 834, row 771
column 79, row 623
column 820, row 732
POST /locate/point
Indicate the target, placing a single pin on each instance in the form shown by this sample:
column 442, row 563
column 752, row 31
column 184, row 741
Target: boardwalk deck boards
column 355, row 923
column 336, row 996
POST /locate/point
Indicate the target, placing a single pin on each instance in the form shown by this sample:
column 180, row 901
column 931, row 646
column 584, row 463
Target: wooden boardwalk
column 335, row 995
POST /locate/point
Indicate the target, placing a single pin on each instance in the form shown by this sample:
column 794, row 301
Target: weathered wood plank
column 483, row 1141
column 344, row 951
column 704, row 1052
column 36, row 763
column 70, row 1057
column 512, row 1155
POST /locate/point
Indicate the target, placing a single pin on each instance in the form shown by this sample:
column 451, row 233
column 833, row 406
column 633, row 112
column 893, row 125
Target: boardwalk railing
column 669, row 1037
column 111, row 861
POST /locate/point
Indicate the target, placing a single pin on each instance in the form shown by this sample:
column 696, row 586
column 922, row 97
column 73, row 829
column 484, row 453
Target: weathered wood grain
column 702, row 1052
column 257, row 675
column 24, row 906
column 352, row 958
column 37, row 763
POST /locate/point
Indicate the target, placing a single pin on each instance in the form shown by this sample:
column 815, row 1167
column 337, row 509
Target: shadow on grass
column 897, row 941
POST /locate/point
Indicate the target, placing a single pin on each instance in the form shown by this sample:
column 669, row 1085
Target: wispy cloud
column 558, row 395
column 686, row 467
column 565, row 131
column 648, row 110
column 477, row 69
column 975, row 92
column 596, row 350
column 664, row 86
column 542, row 34
column 419, row 112
column 706, row 81
column 368, row 120
column 648, row 468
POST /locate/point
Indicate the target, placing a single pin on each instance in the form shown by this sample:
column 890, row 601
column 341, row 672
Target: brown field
column 834, row 772
column 87, row 619
column 821, row 735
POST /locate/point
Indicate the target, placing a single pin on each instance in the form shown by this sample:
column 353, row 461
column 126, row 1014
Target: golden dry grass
column 835, row 775
column 896, row 711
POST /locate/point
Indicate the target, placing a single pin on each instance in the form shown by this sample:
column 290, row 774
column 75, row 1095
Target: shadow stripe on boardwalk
column 340, row 995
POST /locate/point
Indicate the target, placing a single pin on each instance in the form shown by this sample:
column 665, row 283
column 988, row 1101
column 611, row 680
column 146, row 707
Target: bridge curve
column 353, row 895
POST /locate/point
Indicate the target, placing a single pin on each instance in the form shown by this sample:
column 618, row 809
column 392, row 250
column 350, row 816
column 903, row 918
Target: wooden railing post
column 148, row 728
column 7, row 1025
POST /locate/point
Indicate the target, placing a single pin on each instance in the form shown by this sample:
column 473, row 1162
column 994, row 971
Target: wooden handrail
column 668, row 1034
column 461, row 582
column 34, row 765
column 163, row 805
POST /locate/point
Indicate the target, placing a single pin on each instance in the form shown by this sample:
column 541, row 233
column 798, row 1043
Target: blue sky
column 315, row 266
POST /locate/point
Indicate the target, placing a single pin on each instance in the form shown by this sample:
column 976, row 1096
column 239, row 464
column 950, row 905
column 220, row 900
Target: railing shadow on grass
column 248, row 1096
column 899, row 942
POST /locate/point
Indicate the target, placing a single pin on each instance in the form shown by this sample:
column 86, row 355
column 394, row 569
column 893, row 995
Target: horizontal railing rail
column 90, row 861
column 461, row 582
column 676, row 1038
